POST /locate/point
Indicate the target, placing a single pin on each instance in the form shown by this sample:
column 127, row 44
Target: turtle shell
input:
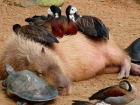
column 134, row 51
column 29, row 86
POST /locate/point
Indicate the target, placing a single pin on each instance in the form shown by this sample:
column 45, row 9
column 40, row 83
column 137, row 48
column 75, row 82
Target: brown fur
column 23, row 54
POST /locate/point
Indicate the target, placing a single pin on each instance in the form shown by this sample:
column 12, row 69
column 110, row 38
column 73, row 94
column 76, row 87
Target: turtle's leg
column 21, row 102
column 41, row 103
column 135, row 69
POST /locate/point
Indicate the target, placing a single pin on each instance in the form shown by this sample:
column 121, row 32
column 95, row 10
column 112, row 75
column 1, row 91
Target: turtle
column 28, row 87
column 133, row 51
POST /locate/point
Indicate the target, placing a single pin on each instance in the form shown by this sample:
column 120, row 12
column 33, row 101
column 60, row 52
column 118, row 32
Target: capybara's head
column 47, row 66
column 24, row 54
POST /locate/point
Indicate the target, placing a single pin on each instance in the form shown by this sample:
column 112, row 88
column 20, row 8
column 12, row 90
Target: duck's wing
column 92, row 26
column 37, row 34
column 112, row 91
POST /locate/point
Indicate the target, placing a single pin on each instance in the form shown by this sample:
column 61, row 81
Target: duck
column 38, row 20
column 116, row 95
column 89, row 25
column 57, row 25
column 35, row 33
column 54, row 22
column 71, row 28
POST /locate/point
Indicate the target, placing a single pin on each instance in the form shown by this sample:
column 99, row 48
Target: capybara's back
column 23, row 54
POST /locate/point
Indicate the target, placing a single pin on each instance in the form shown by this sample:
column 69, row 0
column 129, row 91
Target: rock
column 27, row 3
column 24, row 3
column 50, row 2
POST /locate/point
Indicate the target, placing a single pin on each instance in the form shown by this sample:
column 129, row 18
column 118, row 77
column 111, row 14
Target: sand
column 122, row 17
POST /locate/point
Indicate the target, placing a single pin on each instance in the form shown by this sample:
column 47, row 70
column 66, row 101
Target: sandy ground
column 121, row 16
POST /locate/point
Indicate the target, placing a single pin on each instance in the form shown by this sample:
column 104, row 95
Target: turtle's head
column 9, row 69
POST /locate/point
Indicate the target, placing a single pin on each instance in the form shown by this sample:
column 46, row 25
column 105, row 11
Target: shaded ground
column 121, row 16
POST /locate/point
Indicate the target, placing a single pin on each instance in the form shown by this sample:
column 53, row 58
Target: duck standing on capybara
column 77, row 57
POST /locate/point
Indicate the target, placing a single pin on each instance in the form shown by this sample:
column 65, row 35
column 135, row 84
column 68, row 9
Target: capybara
column 77, row 57
column 22, row 53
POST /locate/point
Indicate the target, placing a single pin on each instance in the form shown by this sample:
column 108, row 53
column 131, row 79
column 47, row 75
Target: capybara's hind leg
column 123, row 69
column 135, row 69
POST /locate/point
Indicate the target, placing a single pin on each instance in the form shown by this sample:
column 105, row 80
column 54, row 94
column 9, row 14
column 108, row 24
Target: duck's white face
column 73, row 10
column 124, row 85
column 56, row 15
column 50, row 12
column 72, row 17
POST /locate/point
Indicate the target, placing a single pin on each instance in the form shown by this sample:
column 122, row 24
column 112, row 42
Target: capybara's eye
column 38, row 73
column 60, row 88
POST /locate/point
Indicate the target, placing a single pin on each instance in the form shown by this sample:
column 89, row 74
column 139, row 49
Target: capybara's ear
column 43, row 50
column 9, row 69
column 28, row 60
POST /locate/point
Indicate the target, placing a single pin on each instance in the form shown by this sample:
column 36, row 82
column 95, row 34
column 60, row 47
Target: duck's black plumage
column 92, row 26
column 39, row 20
column 35, row 33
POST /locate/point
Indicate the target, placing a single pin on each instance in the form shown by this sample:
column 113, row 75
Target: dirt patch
column 122, row 18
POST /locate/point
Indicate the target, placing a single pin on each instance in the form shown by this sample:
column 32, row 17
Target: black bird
column 89, row 25
column 55, row 26
column 71, row 28
column 35, row 33
column 38, row 20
